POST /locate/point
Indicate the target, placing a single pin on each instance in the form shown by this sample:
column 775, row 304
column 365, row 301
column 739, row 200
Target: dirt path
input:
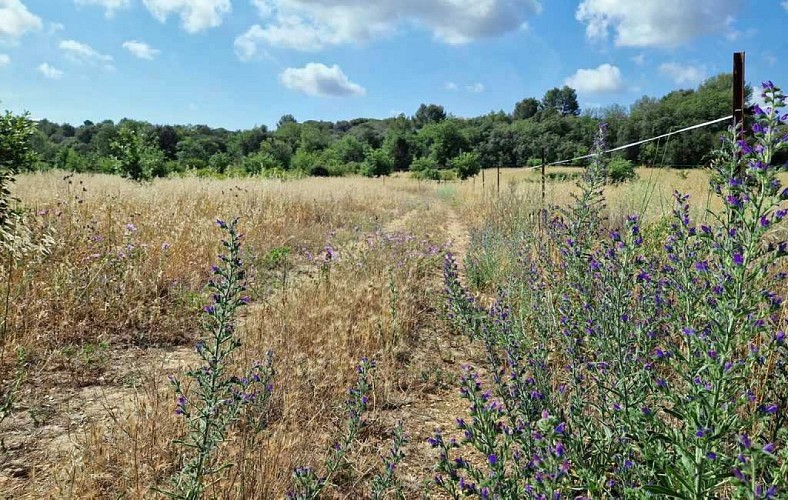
column 438, row 404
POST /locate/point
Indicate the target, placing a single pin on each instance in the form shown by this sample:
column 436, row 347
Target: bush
column 620, row 170
column 423, row 164
column 305, row 161
column 377, row 163
column 256, row 163
column 466, row 165
column 533, row 162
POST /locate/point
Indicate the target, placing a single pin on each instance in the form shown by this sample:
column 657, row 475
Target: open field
column 337, row 270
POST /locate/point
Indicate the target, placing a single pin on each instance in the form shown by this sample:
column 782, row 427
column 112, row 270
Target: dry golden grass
column 114, row 309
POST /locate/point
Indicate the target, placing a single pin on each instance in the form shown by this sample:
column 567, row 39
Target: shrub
column 423, row 164
column 258, row 162
column 466, row 165
column 377, row 163
column 620, row 170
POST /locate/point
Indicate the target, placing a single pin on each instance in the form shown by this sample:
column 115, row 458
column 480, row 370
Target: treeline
column 431, row 143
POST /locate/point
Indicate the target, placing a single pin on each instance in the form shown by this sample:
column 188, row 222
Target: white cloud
column 141, row 49
column 5, row 60
column 655, row 23
column 50, row 72
column 310, row 25
column 83, row 53
column 451, row 86
column 110, row 6
column 263, row 7
column 785, row 5
column 683, row 73
column 317, row 79
column 16, row 20
column 604, row 78
column 196, row 15
column 476, row 88
column 639, row 59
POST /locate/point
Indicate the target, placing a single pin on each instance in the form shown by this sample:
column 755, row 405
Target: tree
column 377, row 163
column 249, row 141
column 563, row 100
column 16, row 153
column 525, row 109
column 285, row 120
column 429, row 113
column 137, row 157
column 167, row 137
column 466, row 165
column 443, row 141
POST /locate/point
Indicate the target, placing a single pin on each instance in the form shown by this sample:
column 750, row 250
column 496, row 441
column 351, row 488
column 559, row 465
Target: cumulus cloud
column 603, row 78
column 310, row 25
column 655, row 23
column 83, row 53
column 317, row 79
column 451, row 86
column 196, row 15
column 683, row 73
column 50, row 72
column 141, row 49
column 785, row 5
column 5, row 60
column 110, row 6
column 16, row 20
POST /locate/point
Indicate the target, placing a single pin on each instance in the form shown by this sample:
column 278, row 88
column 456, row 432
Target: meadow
column 597, row 354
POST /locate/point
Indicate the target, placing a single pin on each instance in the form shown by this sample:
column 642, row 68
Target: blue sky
column 239, row 63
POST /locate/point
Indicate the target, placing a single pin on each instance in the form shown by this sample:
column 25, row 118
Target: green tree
column 466, row 164
column 16, row 133
column 443, row 141
column 429, row 113
column 526, row 109
column 563, row 100
column 377, row 163
column 348, row 149
column 136, row 155
column 16, row 155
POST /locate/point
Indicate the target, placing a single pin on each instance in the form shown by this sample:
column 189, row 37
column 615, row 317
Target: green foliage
column 525, row 109
column 443, row 141
column 620, row 170
column 16, row 132
column 137, row 156
column 305, row 161
column 259, row 162
column 429, row 113
column 563, row 100
column 553, row 123
column 466, row 164
column 220, row 161
column 377, row 163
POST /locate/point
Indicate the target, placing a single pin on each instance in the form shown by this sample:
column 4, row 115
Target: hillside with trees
column 432, row 143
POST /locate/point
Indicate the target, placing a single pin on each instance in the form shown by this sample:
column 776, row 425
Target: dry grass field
column 338, row 269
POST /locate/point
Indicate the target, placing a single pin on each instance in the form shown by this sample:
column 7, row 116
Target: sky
column 242, row 63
